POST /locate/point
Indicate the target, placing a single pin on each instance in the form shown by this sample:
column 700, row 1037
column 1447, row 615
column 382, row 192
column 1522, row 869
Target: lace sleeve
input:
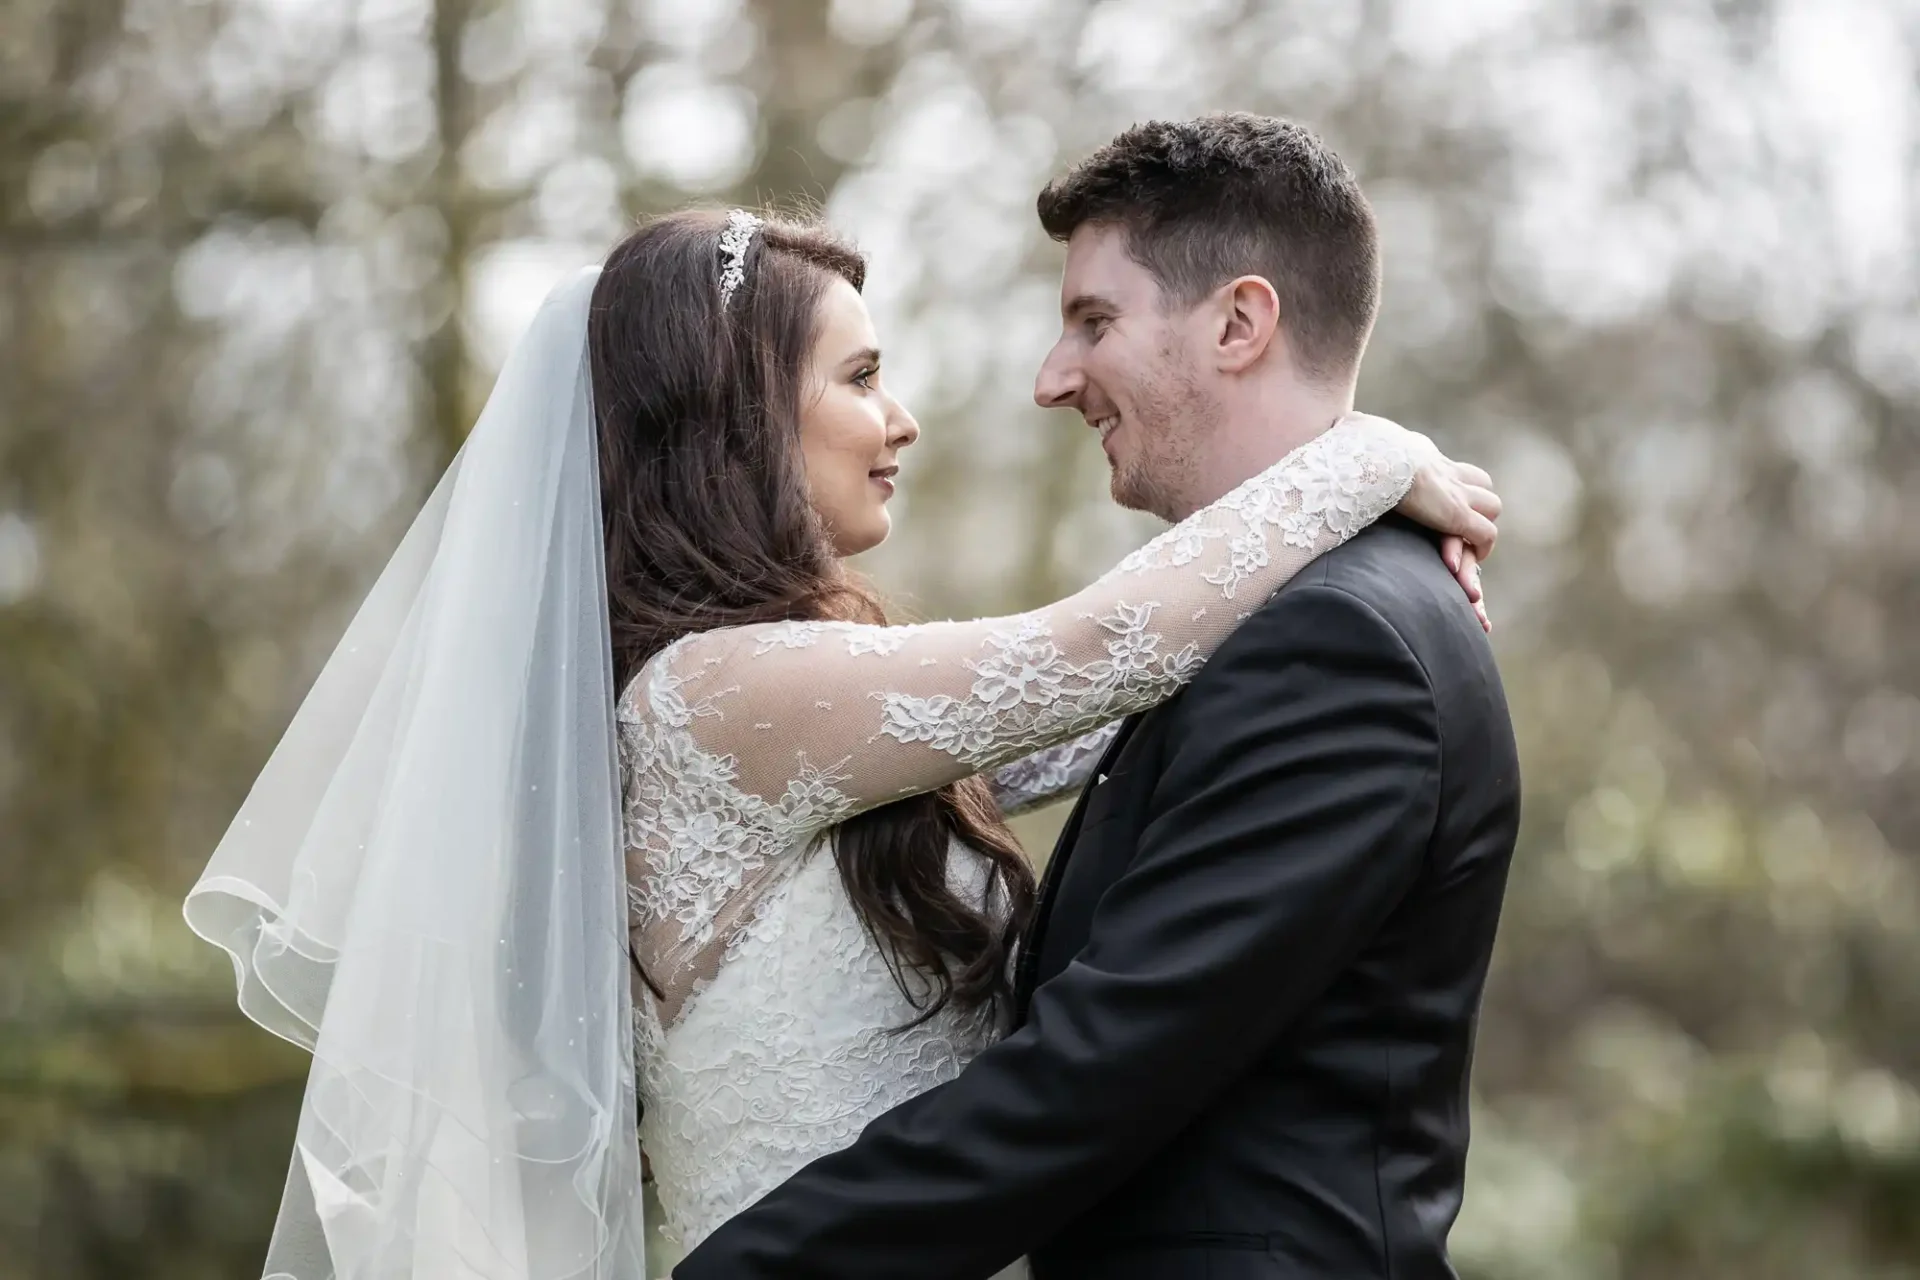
column 745, row 743
column 1050, row 773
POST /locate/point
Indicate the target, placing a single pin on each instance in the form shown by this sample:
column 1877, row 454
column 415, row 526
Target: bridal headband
column 734, row 242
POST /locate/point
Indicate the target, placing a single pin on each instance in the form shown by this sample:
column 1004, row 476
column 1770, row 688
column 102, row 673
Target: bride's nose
column 902, row 429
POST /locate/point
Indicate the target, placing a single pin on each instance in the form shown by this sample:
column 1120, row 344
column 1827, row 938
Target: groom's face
column 1125, row 360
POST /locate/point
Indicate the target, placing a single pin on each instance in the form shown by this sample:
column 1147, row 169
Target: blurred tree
column 1653, row 262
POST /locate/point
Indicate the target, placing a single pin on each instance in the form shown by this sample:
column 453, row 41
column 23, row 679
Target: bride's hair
column 708, row 524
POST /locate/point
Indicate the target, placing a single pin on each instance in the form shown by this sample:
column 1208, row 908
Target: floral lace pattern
column 788, row 1052
column 764, row 1025
column 1027, row 689
column 705, row 836
column 745, row 745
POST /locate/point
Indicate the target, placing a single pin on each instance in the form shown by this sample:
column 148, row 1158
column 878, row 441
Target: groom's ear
column 1247, row 318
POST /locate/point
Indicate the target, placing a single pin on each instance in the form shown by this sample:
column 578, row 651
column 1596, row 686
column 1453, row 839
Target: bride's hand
column 1460, row 558
column 1455, row 499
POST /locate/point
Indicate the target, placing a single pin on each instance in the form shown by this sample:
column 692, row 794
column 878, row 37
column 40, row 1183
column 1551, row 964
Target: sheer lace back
column 742, row 748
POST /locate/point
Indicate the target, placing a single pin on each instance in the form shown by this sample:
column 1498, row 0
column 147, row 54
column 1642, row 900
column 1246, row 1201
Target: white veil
column 425, row 887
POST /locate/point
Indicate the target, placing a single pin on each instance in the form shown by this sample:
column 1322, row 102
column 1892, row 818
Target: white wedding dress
column 772, row 1041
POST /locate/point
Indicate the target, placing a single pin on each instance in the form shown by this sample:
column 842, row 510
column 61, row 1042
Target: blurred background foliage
column 1652, row 261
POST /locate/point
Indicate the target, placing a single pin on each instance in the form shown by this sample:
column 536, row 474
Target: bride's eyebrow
column 865, row 355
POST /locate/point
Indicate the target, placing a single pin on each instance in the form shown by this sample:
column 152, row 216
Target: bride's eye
column 864, row 378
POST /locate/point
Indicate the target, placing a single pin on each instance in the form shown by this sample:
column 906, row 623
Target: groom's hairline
column 1133, row 231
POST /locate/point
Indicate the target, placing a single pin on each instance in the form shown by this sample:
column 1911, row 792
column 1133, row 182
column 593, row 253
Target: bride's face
column 851, row 430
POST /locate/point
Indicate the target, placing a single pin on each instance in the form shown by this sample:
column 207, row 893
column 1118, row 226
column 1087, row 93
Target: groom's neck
column 1261, row 423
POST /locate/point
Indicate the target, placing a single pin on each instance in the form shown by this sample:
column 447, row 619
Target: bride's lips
column 883, row 477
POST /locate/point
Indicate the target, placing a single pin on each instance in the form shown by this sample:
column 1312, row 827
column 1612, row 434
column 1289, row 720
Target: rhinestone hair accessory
column 734, row 241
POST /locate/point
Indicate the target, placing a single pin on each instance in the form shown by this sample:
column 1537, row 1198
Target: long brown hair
column 704, row 500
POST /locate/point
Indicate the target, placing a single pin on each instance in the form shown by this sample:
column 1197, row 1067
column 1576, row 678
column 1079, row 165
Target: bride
column 618, row 764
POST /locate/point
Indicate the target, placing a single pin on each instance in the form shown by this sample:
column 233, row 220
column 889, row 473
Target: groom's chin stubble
column 1137, row 492
column 1156, row 476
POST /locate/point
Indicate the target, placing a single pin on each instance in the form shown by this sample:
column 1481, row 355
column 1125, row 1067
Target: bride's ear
column 1249, row 316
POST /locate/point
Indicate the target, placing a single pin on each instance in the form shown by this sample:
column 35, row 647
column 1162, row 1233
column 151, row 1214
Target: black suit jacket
column 1248, row 1000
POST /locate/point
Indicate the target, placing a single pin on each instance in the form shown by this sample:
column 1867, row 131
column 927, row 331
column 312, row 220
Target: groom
column 1245, row 1011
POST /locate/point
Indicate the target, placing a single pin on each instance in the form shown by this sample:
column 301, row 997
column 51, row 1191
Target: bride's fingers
column 1460, row 561
column 1481, row 507
column 1469, row 575
column 1476, row 595
column 1470, row 474
column 1484, row 500
column 1477, row 528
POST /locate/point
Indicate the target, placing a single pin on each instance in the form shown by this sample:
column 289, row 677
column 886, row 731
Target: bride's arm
column 819, row 721
column 1046, row 775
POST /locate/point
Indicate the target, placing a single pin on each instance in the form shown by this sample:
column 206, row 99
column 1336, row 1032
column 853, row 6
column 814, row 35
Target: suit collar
column 1070, row 830
column 1056, row 868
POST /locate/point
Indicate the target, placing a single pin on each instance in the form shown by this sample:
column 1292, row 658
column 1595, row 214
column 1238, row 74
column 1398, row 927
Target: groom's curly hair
column 1207, row 200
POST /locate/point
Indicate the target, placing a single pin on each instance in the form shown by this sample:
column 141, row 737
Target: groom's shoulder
column 1389, row 578
column 1386, row 593
column 1391, row 566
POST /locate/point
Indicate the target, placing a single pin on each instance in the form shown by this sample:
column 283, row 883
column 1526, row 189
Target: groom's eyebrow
column 1087, row 302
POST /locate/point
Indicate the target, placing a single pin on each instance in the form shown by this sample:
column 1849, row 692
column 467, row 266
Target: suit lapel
column 1023, row 981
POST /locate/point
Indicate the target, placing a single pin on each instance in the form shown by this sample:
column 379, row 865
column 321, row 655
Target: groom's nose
column 1059, row 382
